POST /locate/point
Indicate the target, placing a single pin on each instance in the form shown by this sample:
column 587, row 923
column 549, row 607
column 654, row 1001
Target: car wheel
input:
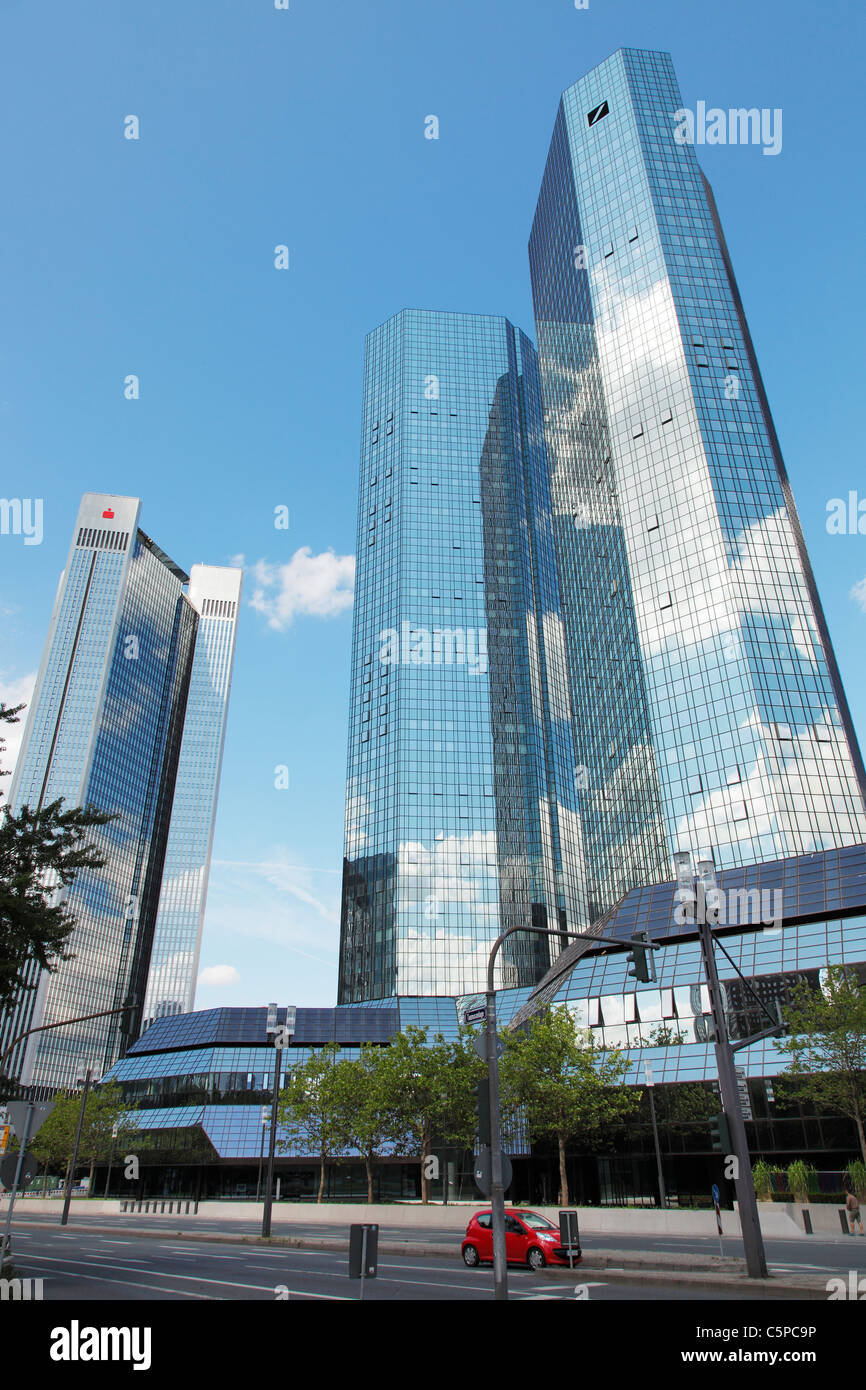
column 470, row 1256
column 535, row 1259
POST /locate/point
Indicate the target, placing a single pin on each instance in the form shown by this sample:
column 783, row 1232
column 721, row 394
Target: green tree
column 827, row 1044
column 428, row 1094
column 362, row 1113
column 565, row 1085
column 311, row 1104
column 40, row 852
column 105, row 1111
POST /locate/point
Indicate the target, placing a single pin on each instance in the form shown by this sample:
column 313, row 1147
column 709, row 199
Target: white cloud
column 219, row 976
column 14, row 692
column 858, row 593
column 317, row 586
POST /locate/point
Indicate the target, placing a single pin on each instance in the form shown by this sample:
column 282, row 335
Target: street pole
column 264, row 1125
column 272, row 1145
column 747, row 1205
column 69, row 1176
column 282, row 1034
column 497, row 1192
column 4, row 1249
column 663, row 1201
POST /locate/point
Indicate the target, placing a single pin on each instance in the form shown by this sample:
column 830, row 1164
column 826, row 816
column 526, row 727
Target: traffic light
column 720, row 1134
column 640, row 958
column 482, row 1105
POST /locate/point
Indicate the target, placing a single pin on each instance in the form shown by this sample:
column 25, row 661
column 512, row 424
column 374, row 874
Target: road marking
column 197, row 1278
column 133, row 1284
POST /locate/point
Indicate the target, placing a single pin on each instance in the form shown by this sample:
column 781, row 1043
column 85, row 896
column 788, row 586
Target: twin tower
column 586, row 631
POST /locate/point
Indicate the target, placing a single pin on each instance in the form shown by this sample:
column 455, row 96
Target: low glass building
column 201, row 1080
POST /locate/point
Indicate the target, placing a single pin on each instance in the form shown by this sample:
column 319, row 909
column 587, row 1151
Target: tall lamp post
column 282, row 1034
column 706, row 900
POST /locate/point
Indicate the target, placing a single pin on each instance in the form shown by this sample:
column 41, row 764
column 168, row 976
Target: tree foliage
column 566, row 1086
column 108, row 1127
column 827, row 1044
column 41, row 851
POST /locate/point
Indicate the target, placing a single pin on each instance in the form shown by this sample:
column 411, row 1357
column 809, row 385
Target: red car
column 530, row 1239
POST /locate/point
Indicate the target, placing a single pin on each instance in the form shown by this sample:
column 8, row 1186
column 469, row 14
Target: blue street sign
column 716, row 1193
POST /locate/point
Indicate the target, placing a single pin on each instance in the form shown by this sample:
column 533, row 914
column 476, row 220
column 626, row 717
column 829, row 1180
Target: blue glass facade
column 460, row 816
column 105, row 729
column 215, row 595
column 707, row 702
column 212, row 1071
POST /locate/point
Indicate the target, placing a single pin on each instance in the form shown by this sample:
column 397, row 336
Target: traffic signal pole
column 497, row 1191
column 753, row 1241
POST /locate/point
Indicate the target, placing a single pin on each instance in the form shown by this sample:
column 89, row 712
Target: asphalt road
column 795, row 1255
column 75, row 1265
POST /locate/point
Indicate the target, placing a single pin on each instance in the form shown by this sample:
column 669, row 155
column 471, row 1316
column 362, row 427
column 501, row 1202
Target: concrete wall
column 777, row 1218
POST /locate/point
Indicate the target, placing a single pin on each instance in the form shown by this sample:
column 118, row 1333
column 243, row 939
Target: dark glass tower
column 460, row 817
column 707, row 703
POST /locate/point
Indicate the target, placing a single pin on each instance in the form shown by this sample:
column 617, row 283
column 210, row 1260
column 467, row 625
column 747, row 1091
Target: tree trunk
column 563, row 1174
column 368, row 1163
column 321, row 1192
column 862, row 1136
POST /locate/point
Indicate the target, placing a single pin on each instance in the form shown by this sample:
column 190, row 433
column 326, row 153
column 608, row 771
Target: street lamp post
column 282, row 1035
column 706, row 903
column 69, row 1176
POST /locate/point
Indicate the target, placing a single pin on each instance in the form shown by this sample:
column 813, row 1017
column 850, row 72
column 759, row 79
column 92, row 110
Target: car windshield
column 534, row 1221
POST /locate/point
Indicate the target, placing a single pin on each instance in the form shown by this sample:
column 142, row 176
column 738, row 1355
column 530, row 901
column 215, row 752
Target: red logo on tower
column 108, row 514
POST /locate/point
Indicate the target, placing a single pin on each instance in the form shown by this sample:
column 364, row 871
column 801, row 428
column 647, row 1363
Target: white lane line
column 196, row 1278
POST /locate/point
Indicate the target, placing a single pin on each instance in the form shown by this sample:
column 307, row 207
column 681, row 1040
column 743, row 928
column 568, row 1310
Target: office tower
column 105, row 728
column 707, row 702
column 461, row 781
column 214, row 593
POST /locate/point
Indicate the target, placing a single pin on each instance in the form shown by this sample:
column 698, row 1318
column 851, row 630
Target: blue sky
column 305, row 127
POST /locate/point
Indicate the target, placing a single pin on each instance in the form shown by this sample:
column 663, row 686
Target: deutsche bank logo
column 597, row 113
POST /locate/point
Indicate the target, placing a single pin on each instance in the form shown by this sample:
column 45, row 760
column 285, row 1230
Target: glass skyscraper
column 708, row 708
column 461, row 796
column 105, row 727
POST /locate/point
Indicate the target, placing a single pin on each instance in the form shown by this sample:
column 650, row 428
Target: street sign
column 18, row 1115
column 476, row 1014
column 9, row 1167
column 483, row 1176
column 480, row 1045
column 716, row 1193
